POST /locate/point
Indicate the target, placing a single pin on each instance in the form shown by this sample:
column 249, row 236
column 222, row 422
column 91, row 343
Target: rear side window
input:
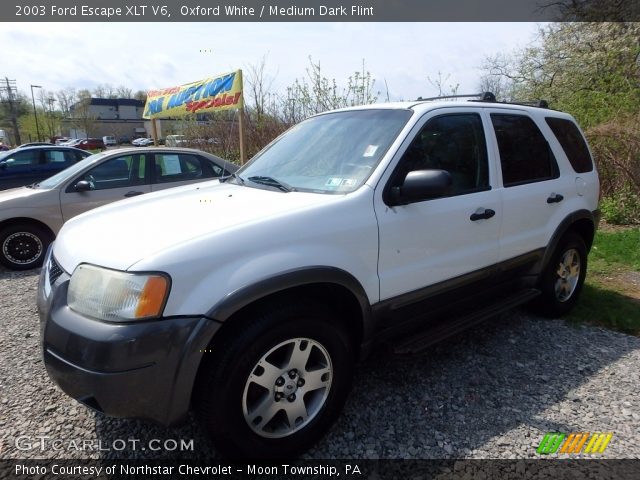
column 572, row 143
column 59, row 157
column 172, row 167
column 80, row 154
column 525, row 155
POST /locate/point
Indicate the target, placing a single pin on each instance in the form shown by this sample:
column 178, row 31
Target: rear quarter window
column 572, row 143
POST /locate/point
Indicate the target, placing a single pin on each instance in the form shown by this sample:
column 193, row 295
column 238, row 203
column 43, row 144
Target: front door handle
column 132, row 194
column 555, row 198
column 482, row 214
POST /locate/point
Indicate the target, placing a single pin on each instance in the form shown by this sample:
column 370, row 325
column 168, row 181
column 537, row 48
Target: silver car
column 30, row 217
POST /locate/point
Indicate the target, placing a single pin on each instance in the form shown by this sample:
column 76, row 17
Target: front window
column 21, row 158
column 331, row 153
column 455, row 143
column 119, row 172
column 64, row 175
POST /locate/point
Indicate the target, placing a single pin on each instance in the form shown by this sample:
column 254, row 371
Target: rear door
column 114, row 179
column 171, row 169
column 533, row 193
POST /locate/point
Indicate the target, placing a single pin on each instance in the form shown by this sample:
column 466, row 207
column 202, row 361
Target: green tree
column 19, row 105
column 81, row 115
column 316, row 93
column 588, row 69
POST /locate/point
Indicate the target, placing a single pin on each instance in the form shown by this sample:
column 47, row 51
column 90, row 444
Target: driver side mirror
column 5, row 163
column 82, row 186
column 421, row 185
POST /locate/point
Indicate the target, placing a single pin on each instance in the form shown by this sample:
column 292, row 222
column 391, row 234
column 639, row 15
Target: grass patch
column 611, row 294
column 621, row 247
column 607, row 308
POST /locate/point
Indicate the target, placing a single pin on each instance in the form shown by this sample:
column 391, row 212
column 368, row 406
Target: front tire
column 563, row 278
column 23, row 246
column 274, row 386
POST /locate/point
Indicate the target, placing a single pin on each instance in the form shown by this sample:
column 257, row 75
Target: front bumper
column 137, row 369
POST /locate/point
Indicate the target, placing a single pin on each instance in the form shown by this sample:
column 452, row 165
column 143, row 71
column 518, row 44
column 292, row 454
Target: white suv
column 252, row 297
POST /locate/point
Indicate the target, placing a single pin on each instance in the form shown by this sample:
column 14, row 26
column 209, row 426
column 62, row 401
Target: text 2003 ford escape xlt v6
column 251, row 298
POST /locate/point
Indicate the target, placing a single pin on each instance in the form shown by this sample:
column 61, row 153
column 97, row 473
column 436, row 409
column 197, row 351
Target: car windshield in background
column 62, row 176
column 331, row 153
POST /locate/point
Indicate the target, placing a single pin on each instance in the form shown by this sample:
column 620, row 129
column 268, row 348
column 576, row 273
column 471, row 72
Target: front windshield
column 331, row 153
column 60, row 177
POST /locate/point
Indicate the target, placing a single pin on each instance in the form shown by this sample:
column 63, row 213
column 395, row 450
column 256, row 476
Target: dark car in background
column 27, row 165
column 91, row 144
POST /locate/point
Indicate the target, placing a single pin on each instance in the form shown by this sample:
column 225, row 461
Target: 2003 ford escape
column 251, row 298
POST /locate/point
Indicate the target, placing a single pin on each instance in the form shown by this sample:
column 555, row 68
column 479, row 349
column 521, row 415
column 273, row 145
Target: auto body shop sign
column 223, row 92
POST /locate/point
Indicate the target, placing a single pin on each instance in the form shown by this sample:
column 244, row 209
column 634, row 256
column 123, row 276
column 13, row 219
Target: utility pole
column 10, row 89
column 35, row 112
column 52, row 123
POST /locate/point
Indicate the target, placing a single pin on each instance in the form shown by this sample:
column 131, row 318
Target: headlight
column 117, row 296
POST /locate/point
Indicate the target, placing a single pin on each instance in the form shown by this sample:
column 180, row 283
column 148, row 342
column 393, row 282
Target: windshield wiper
column 32, row 185
column 272, row 182
column 233, row 175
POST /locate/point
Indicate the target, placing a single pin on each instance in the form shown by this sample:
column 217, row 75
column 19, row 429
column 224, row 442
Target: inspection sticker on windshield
column 334, row 182
column 349, row 182
column 370, row 151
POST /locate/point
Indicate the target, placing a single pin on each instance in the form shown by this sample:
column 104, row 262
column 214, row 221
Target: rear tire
column 23, row 246
column 276, row 383
column 563, row 278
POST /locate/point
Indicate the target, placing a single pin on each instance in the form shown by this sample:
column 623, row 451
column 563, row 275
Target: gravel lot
column 491, row 392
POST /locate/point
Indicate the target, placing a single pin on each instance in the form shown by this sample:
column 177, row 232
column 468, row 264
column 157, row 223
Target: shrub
column 621, row 207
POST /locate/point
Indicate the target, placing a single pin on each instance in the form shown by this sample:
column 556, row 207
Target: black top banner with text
column 319, row 11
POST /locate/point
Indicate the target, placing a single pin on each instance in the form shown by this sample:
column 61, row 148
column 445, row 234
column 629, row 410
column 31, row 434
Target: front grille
column 54, row 270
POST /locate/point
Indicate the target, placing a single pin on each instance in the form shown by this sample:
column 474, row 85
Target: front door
column 427, row 242
column 115, row 179
column 20, row 168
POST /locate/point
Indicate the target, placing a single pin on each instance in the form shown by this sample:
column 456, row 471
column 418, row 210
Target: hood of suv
column 122, row 233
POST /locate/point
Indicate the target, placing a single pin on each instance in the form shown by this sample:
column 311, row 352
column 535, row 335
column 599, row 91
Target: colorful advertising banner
column 213, row 94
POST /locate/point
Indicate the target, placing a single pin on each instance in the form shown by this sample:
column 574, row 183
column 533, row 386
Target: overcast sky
column 151, row 55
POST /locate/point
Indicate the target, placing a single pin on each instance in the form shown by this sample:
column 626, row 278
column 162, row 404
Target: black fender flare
column 562, row 228
column 264, row 287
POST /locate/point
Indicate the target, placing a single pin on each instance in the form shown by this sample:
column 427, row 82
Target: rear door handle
column 482, row 214
column 132, row 194
column 555, row 198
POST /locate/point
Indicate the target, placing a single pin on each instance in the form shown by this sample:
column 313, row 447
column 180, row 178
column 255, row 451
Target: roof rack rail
column 490, row 97
column 537, row 103
column 487, row 97
column 484, row 97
